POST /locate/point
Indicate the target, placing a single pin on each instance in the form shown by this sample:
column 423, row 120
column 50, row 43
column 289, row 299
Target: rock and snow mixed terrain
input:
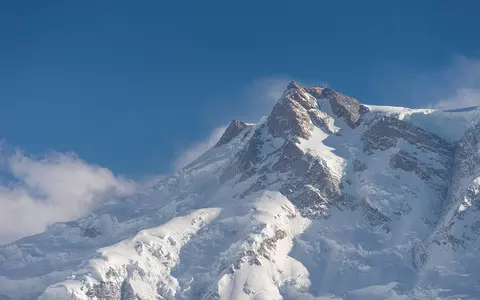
column 325, row 198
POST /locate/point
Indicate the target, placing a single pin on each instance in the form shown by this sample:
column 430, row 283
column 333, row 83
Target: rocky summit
column 325, row 198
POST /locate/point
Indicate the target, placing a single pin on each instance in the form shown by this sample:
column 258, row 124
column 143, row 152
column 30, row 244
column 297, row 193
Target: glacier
column 325, row 198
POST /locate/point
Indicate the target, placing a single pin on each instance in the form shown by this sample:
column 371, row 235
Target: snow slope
column 436, row 120
column 325, row 198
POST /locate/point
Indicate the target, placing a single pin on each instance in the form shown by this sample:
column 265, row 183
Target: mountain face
column 325, row 198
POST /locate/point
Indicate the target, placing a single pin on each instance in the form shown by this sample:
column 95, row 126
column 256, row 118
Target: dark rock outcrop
column 91, row 232
column 290, row 117
column 345, row 107
column 246, row 160
column 231, row 132
column 387, row 131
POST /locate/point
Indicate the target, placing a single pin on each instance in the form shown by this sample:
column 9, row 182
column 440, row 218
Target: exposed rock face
column 290, row 117
column 231, row 132
column 387, row 131
column 438, row 178
column 315, row 91
column 345, row 107
column 247, row 159
column 91, row 232
column 467, row 156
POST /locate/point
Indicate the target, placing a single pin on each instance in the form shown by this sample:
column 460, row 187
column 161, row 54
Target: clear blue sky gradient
column 128, row 84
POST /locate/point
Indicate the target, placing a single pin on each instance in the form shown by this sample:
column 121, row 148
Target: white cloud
column 193, row 152
column 268, row 90
column 57, row 187
column 462, row 84
column 461, row 98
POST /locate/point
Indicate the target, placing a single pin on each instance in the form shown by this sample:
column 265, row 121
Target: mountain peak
column 345, row 107
column 300, row 109
column 290, row 115
column 293, row 85
column 231, row 132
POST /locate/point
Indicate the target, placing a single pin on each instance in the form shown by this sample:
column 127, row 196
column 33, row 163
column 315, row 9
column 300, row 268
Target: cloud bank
column 54, row 188
column 462, row 84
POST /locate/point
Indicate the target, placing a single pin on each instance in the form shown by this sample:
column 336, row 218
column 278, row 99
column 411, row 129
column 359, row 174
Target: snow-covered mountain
column 325, row 198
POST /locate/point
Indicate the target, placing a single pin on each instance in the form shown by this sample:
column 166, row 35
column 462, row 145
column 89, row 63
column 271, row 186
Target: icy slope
column 325, row 198
column 448, row 124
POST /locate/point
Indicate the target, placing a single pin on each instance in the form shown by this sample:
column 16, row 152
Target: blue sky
column 129, row 85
